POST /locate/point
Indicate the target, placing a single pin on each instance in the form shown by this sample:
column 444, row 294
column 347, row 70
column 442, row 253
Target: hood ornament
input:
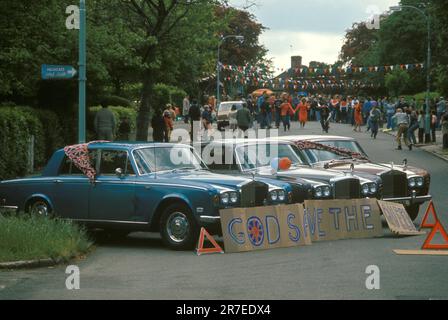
column 392, row 166
column 405, row 164
column 352, row 169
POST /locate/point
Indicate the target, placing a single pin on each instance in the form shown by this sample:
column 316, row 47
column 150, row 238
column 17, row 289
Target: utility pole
column 82, row 72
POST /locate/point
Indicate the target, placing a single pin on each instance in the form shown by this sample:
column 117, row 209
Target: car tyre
column 39, row 208
column 413, row 211
column 178, row 228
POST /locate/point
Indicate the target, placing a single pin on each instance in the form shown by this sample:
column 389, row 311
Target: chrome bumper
column 414, row 199
column 209, row 219
column 9, row 208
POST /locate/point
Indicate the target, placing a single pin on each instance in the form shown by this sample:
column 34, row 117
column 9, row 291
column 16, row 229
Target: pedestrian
column 421, row 127
column 366, row 108
column 433, row 126
column 325, row 116
column 243, row 118
column 186, row 108
column 402, row 120
column 390, row 111
column 413, row 126
column 105, row 123
column 287, row 112
column 334, row 108
column 358, row 116
column 445, row 130
column 169, row 124
column 441, row 110
column 344, row 110
column 303, row 108
column 194, row 115
column 158, row 126
column 278, row 111
column 375, row 118
column 207, row 118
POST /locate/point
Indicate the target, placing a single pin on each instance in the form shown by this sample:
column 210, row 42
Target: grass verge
column 24, row 237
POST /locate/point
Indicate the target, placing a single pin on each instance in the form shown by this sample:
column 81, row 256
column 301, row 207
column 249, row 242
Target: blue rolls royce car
column 253, row 157
column 162, row 188
column 401, row 182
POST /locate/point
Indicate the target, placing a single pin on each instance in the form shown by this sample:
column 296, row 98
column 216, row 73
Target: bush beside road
column 25, row 238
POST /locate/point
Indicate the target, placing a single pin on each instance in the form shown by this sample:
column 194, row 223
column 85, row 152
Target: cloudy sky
column 314, row 29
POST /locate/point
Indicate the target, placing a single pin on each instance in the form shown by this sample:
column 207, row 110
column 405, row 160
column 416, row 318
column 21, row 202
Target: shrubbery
column 17, row 126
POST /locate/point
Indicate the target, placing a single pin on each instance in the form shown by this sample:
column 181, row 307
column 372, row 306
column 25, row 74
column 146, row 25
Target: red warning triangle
column 438, row 228
column 425, row 223
column 201, row 250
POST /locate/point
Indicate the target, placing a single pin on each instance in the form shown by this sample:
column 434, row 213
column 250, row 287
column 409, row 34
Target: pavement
column 139, row 267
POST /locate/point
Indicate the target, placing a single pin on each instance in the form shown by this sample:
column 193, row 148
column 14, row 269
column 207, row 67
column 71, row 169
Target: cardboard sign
column 293, row 225
column 343, row 219
column 264, row 228
column 398, row 219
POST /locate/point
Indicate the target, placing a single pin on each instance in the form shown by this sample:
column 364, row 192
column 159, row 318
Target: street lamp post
column 82, row 72
column 428, row 68
column 218, row 67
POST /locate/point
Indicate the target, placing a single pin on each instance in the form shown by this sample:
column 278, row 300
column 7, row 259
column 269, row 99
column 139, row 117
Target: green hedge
column 17, row 125
column 120, row 113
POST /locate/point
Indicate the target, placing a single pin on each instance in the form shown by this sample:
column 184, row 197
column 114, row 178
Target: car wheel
column 178, row 228
column 39, row 208
column 413, row 211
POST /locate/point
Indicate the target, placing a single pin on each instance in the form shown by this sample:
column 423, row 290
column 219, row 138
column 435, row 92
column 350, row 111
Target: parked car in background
column 401, row 183
column 227, row 114
column 162, row 188
column 245, row 157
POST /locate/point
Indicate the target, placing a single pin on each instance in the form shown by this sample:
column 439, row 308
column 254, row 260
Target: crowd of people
column 279, row 110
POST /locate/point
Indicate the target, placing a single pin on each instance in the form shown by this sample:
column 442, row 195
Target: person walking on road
column 194, row 115
column 243, row 118
column 325, row 116
column 186, row 108
column 402, row 120
column 358, row 117
column 441, row 110
column 413, row 126
column 105, row 123
column 421, row 127
column 303, row 108
column 375, row 118
column 286, row 112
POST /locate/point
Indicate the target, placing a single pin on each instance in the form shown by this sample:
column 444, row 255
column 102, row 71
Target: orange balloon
column 285, row 164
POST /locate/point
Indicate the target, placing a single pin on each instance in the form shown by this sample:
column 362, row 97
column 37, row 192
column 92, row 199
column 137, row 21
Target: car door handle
column 58, row 181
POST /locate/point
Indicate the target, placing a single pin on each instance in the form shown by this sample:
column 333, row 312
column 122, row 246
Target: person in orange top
column 303, row 108
column 358, row 116
column 286, row 111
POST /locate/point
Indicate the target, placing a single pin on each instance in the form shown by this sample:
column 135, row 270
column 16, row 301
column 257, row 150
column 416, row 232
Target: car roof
column 131, row 145
column 245, row 141
column 314, row 138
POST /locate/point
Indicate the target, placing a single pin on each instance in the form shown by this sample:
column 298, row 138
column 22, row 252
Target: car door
column 70, row 192
column 112, row 195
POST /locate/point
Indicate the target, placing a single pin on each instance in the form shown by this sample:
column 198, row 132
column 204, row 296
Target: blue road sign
column 54, row 72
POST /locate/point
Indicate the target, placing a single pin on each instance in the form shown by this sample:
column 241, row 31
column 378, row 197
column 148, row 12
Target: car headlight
column 373, row 188
column 420, row 181
column 225, row 198
column 327, row 191
column 365, row 189
column 318, row 192
column 274, row 195
column 412, row 182
column 281, row 195
column 233, row 197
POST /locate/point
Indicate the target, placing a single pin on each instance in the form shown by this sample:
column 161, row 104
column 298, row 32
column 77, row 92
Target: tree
column 397, row 82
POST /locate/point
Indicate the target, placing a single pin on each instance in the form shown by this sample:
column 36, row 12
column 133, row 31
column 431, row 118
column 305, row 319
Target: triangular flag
column 428, row 225
column 201, row 250
column 429, row 246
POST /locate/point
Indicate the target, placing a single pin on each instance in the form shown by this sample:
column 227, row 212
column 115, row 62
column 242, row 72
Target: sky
column 313, row 29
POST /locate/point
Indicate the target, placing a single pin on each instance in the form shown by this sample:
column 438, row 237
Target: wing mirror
column 119, row 173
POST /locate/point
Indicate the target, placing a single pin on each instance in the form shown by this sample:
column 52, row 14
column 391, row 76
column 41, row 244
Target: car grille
column 253, row 194
column 347, row 189
column 300, row 193
column 395, row 184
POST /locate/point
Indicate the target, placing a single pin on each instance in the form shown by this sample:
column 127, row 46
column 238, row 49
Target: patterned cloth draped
column 79, row 155
column 303, row 145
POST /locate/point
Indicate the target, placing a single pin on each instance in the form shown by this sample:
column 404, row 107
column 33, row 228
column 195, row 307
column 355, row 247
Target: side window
column 68, row 168
column 112, row 160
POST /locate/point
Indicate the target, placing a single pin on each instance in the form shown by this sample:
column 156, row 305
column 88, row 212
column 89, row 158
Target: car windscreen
column 227, row 107
column 315, row 156
column 159, row 159
column 260, row 155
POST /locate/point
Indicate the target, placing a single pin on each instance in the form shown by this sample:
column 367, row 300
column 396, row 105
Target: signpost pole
column 82, row 72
